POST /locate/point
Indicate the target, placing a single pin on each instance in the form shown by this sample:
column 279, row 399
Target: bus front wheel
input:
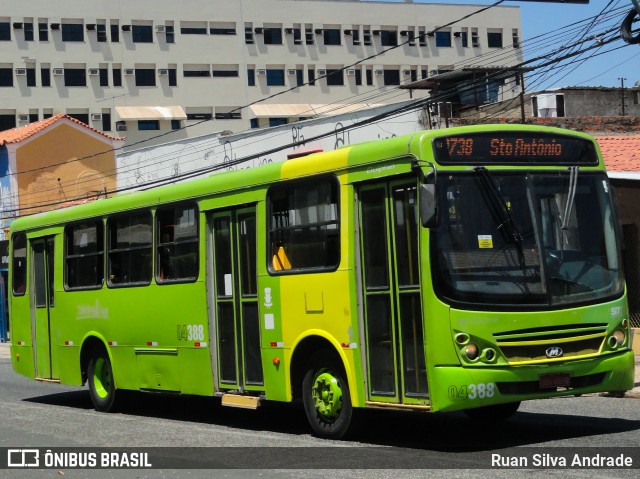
column 101, row 384
column 326, row 397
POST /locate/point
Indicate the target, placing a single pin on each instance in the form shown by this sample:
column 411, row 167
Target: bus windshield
column 537, row 238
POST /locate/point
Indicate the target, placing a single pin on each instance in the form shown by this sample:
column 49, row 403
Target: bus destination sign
column 514, row 148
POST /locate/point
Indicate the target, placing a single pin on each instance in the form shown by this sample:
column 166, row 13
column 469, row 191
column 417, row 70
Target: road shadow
column 445, row 432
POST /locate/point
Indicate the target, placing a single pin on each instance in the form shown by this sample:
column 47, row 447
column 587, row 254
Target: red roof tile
column 621, row 153
column 16, row 135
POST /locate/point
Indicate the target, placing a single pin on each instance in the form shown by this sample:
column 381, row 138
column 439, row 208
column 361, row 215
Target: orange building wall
column 61, row 145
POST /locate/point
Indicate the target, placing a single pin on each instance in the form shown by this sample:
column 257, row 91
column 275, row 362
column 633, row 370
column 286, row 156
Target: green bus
column 465, row 269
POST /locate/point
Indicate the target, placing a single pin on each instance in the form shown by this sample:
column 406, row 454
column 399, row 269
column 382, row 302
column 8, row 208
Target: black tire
column 493, row 414
column 102, row 386
column 326, row 396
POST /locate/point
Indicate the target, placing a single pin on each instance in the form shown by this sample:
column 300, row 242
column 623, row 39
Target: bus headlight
column 617, row 339
column 471, row 351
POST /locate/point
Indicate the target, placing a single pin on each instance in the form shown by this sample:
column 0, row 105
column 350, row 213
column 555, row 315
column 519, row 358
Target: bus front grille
column 533, row 387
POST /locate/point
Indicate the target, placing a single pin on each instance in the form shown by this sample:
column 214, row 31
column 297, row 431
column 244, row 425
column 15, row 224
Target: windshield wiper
column 502, row 214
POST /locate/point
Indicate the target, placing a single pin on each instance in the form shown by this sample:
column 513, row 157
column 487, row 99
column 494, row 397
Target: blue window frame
column 443, row 39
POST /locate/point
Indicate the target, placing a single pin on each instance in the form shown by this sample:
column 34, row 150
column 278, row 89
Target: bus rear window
column 84, row 255
column 19, row 264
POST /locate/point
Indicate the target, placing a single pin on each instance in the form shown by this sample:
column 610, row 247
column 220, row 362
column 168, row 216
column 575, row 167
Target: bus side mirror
column 428, row 206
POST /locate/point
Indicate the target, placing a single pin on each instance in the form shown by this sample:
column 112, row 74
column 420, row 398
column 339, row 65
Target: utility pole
column 622, row 94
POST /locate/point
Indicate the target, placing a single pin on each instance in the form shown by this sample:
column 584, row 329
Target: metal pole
column 622, row 94
column 522, row 115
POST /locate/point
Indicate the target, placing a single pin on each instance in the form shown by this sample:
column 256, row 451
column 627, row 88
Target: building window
column 5, row 31
column 72, row 32
column 311, row 72
column 464, row 39
column 28, row 32
column 84, row 255
column 199, row 116
column 193, row 30
column 251, row 77
column 309, row 37
column 33, row 117
column 101, row 33
column 75, row 77
column 388, row 38
column 253, row 123
column 443, row 39
column 369, row 76
column 391, row 77
column 45, row 76
column 272, row 36
column 277, row 121
column 366, row 36
column 299, row 77
column 6, row 77
column 145, row 125
column 225, row 72
column 115, row 33
column 177, row 251
column 129, row 256
column 516, row 38
column 173, row 77
column 304, row 227
column 142, row 33
column 176, row 124
column 43, row 32
column 494, row 39
column 117, row 77
column 358, row 76
column 169, row 35
column 297, row 36
column 104, row 77
column 335, row 77
column 331, row 36
column 106, row 122
column 222, row 31
column 83, row 117
column 248, row 35
column 145, row 77
column 31, row 77
column 197, row 71
column 275, row 77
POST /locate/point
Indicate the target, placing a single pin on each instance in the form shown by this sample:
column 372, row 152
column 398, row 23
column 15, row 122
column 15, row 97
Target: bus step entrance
column 236, row 400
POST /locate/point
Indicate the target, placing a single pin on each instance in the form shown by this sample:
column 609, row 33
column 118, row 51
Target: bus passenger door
column 236, row 327
column 394, row 333
column 42, row 303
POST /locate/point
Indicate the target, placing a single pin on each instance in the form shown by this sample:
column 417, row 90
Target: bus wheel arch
column 319, row 377
column 97, row 371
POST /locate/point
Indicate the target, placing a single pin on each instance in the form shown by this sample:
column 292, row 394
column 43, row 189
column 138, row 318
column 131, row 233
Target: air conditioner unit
column 96, row 116
column 348, row 32
column 161, row 28
column 126, row 28
column 322, row 72
column 55, row 26
column 129, row 71
column 261, row 72
column 376, row 32
column 379, row 72
column 351, row 72
column 21, row 71
column 288, row 31
column 94, row 71
column 259, row 30
column 291, row 71
column 457, row 34
column 91, row 26
column 433, row 72
column 121, row 126
column 431, row 34
column 58, row 71
column 404, row 33
column 17, row 26
column 163, row 71
column 319, row 31
column 406, row 72
column 23, row 117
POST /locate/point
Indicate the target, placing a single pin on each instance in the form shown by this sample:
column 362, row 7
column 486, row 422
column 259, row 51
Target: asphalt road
column 397, row 444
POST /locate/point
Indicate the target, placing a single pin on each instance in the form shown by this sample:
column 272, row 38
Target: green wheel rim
column 327, row 395
column 101, row 378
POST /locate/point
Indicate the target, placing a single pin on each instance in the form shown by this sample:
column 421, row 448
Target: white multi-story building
column 145, row 67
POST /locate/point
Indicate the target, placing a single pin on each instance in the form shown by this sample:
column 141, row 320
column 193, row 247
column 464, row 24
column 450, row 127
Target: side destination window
column 129, row 249
column 304, row 227
column 84, row 255
column 19, row 264
column 177, row 253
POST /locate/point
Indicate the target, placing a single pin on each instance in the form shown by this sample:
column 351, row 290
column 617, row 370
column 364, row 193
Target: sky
column 540, row 18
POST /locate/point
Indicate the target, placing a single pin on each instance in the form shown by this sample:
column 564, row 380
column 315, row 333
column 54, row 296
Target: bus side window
column 19, row 264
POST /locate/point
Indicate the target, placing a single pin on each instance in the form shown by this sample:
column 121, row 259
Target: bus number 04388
column 472, row 391
column 190, row 332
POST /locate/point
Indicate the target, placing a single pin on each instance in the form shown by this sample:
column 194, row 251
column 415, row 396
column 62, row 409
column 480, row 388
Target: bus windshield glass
column 526, row 238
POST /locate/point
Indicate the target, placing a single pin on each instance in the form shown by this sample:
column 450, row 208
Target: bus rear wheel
column 326, row 397
column 101, row 384
column 494, row 413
